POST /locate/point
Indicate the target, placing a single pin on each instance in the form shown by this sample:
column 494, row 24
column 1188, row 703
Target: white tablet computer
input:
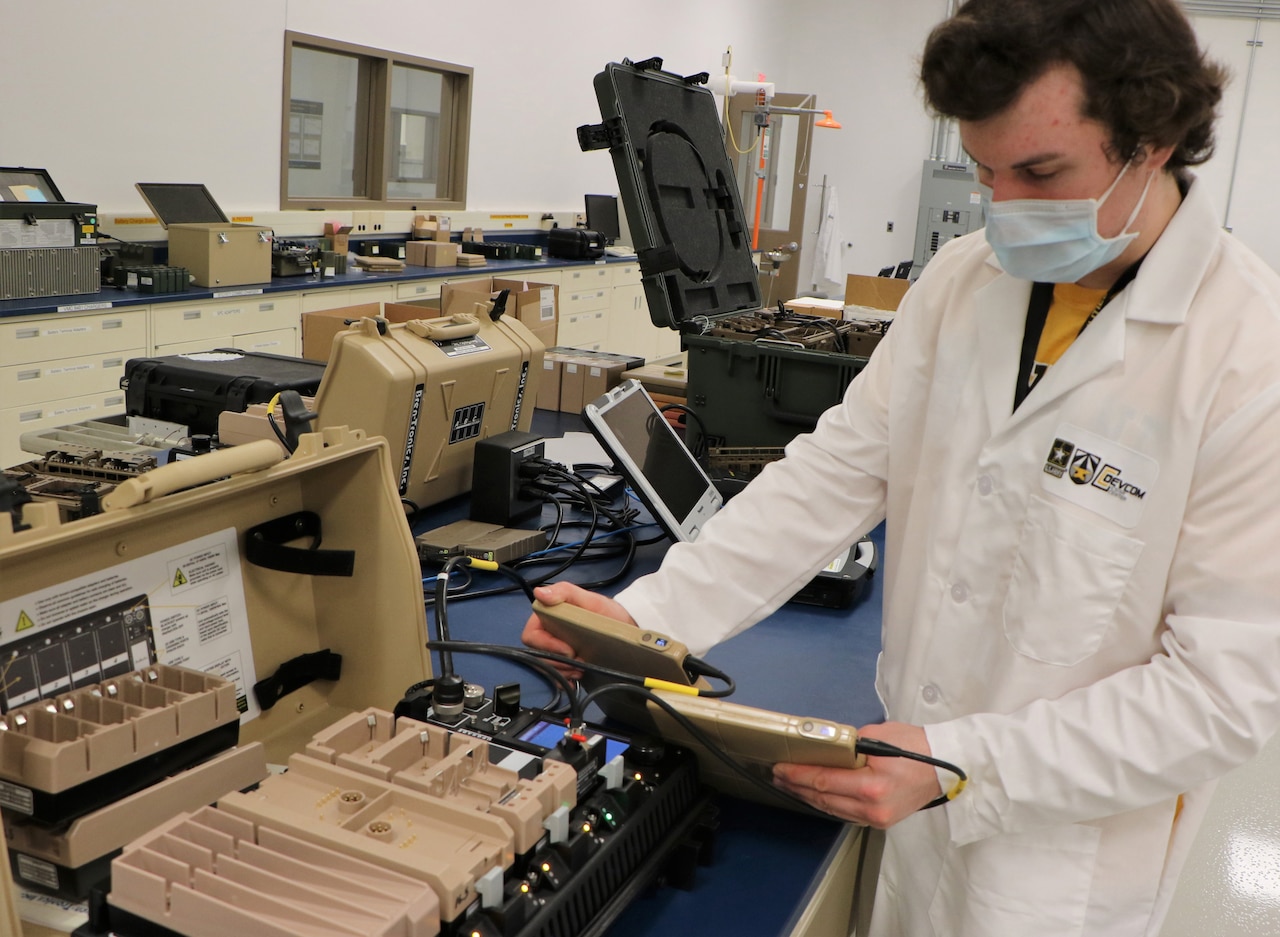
column 660, row 468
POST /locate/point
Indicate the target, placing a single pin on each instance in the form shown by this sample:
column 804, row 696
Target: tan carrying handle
column 236, row 460
column 459, row 325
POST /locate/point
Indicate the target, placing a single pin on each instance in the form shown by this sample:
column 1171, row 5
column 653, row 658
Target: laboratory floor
column 1231, row 883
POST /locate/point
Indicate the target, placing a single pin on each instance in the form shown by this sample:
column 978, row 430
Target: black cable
column 275, row 428
column 554, row 677
column 699, row 451
column 880, row 749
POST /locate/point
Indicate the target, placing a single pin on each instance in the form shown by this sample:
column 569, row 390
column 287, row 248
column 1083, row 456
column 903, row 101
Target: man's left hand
column 879, row 795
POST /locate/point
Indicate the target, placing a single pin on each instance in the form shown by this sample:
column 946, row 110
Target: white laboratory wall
column 179, row 91
column 861, row 59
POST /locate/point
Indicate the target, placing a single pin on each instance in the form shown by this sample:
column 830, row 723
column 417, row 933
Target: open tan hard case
column 374, row 618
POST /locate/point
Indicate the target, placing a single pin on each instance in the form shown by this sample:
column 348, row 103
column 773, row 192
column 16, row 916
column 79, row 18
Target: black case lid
column 21, row 184
column 680, row 194
column 181, row 203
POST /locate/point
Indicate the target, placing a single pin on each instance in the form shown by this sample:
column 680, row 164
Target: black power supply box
column 496, row 480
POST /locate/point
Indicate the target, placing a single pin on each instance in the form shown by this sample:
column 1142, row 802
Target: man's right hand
column 537, row 636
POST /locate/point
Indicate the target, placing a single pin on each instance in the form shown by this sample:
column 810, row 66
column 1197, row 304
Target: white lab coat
column 1087, row 654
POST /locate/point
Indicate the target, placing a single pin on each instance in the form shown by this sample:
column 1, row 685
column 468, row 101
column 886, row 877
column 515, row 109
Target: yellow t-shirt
column 1069, row 312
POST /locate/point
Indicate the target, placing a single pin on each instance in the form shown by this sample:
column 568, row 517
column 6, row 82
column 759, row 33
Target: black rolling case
column 757, row 377
column 193, row 389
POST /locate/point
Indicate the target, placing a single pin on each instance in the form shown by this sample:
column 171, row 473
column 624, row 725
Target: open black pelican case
column 757, row 378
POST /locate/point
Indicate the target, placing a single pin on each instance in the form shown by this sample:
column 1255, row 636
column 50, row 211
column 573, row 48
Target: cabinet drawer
column 52, row 337
column 418, row 289
column 194, row 347
column 579, row 278
column 25, row 384
column 625, row 274
column 275, row 342
column 325, row 299
column 582, row 328
column 186, row 322
column 14, row 421
column 382, row 293
column 585, row 300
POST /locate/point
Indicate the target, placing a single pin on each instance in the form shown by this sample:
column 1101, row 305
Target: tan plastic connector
column 445, row 844
column 92, row 836
column 214, row 873
column 100, row 728
column 435, row 761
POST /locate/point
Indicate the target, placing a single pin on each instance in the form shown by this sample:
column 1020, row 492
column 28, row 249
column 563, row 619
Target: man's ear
column 1155, row 157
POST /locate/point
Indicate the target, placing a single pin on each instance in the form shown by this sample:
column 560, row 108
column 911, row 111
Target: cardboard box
column 432, row 228
column 337, row 235
column 882, row 293
column 473, row 234
column 319, row 327
column 549, row 386
column 573, row 377
column 600, row 377
column 220, row 254
column 536, row 305
column 431, row 254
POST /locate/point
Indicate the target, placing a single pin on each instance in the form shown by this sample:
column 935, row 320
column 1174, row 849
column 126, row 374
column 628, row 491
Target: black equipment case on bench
column 192, row 389
column 756, row 378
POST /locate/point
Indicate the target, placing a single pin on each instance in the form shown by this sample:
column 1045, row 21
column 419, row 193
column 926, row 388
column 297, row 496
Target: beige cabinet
column 56, row 370
column 630, row 330
column 270, row 321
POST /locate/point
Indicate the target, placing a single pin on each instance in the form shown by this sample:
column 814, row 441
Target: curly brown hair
column 1146, row 79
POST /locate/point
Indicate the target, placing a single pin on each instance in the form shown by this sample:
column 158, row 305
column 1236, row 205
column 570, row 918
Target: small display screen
column 657, row 452
column 547, row 734
column 602, row 216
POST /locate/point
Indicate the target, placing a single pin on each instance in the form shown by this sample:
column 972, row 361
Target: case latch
column 657, row 260
column 610, row 134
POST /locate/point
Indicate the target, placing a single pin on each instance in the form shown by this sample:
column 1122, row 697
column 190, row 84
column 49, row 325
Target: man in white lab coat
column 1072, row 431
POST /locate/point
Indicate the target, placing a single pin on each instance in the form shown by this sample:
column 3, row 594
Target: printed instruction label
column 183, row 606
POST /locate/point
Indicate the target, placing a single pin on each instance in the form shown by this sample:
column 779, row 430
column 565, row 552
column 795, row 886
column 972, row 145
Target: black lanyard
column 1038, row 315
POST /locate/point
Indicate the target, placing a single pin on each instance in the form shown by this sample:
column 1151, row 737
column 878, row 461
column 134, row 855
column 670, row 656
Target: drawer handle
column 112, row 362
column 29, row 375
column 27, row 333
column 191, row 314
column 30, row 416
column 112, row 324
column 116, row 401
column 266, row 307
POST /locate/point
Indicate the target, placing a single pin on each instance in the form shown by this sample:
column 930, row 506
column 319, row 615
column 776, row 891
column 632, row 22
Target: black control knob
column 646, row 750
column 506, row 699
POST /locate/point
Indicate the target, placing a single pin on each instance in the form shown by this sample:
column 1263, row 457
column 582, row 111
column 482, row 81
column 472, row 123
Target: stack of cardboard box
column 431, row 247
column 573, row 377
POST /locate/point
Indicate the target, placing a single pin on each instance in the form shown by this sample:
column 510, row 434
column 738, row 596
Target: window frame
column 373, row 122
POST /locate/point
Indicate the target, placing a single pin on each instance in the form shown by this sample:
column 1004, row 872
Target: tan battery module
column 432, row 387
column 481, row 540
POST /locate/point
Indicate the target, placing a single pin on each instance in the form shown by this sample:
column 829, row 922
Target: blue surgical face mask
column 1055, row 240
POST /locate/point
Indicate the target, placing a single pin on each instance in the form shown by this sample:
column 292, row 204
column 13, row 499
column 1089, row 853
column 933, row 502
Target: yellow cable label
column 653, row 683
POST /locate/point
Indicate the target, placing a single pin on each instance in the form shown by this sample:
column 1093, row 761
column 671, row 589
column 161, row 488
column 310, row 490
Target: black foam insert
column 678, row 188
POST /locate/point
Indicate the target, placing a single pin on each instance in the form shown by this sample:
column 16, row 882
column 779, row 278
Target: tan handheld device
column 616, row 645
column 755, row 738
